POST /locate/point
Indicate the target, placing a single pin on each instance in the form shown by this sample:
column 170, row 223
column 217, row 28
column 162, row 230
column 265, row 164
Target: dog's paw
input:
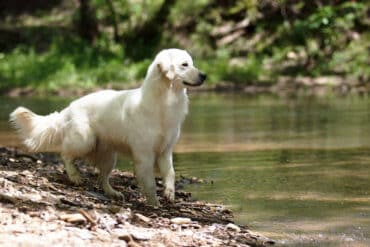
column 169, row 194
column 153, row 202
column 114, row 194
column 75, row 179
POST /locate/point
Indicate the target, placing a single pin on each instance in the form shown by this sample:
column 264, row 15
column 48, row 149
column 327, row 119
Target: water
column 295, row 169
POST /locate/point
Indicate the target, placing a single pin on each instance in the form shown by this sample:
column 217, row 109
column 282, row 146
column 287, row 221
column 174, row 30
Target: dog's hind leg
column 78, row 141
column 72, row 172
column 105, row 160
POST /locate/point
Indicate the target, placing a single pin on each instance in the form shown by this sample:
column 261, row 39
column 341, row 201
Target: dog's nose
column 202, row 76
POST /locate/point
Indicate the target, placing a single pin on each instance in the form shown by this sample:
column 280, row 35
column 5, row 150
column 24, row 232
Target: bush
column 65, row 65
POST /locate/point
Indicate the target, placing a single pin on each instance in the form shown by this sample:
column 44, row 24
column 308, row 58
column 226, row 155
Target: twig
column 87, row 216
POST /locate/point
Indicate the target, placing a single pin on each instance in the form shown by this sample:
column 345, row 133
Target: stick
column 87, row 217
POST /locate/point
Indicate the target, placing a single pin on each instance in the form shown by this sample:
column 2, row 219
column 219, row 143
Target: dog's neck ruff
column 157, row 86
column 169, row 103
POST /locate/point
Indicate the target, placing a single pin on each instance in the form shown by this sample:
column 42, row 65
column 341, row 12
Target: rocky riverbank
column 40, row 207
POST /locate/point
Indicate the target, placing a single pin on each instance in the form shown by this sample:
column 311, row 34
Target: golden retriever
column 143, row 122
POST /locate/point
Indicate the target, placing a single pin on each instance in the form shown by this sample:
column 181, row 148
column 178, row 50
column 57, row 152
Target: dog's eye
column 185, row 64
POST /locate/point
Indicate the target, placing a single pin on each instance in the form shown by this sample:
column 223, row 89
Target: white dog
column 143, row 122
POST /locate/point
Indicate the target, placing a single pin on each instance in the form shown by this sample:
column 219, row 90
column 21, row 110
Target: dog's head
column 177, row 67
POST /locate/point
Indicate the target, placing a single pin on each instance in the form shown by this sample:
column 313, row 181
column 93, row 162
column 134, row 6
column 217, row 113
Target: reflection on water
column 239, row 123
column 311, row 197
column 295, row 169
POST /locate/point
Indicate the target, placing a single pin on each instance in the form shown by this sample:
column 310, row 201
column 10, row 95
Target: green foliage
column 299, row 38
column 328, row 22
column 67, row 64
column 354, row 60
column 324, row 38
column 247, row 71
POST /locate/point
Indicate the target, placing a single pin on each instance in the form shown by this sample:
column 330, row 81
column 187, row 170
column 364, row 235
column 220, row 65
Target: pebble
column 103, row 235
column 180, row 220
column 141, row 235
column 114, row 209
column 122, row 217
column 73, row 218
column 126, row 237
column 142, row 218
column 233, row 227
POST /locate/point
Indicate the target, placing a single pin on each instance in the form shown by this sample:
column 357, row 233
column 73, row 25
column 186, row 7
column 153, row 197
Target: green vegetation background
column 59, row 44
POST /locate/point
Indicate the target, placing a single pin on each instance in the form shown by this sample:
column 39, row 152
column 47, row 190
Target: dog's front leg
column 144, row 171
column 168, row 175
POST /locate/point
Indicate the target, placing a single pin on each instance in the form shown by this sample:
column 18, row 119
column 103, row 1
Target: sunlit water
column 297, row 170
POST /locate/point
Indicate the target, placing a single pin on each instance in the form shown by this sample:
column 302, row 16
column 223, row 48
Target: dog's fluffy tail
column 38, row 133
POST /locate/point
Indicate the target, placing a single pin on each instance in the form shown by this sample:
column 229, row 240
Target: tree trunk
column 155, row 24
column 114, row 20
column 87, row 23
column 144, row 40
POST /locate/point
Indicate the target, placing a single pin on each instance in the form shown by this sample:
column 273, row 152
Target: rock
column 174, row 227
column 73, row 218
column 126, row 237
column 106, row 222
column 121, row 218
column 142, row 218
column 103, row 235
column 233, row 227
column 141, row 235
column 114, row 209
column 180, row 220
column 133, row 244
column 82, row 233
column 8, row 199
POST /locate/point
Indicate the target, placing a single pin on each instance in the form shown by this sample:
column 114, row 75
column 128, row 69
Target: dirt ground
column 40, row 207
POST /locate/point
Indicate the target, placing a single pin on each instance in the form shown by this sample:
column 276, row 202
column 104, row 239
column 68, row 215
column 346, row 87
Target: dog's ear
column 167, row 69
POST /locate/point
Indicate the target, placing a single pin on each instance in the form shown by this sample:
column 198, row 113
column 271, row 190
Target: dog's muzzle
column 202, row 77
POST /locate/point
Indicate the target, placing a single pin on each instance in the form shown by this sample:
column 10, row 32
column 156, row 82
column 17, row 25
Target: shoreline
column 285, row 85
column 39, row 205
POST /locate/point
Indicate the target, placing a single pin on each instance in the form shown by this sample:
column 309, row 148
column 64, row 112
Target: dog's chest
column 171, row 115
column 173, row 111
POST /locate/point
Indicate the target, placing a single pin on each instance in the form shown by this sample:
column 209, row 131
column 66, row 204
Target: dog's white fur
column 144, row 122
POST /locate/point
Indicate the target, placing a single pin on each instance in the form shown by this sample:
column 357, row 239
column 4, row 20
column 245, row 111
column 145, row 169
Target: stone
column 141, row 235
column 233, row 227
column 126, row 237
column 180, row 221
column 73, row 218
column 142, row 218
